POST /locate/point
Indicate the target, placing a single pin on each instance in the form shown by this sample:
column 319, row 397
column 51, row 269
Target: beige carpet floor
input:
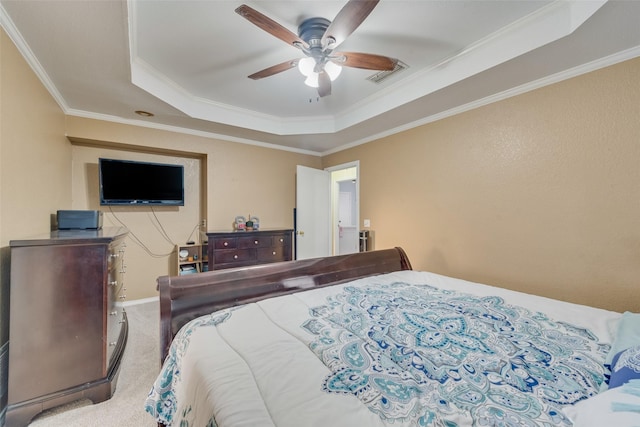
column 139, row 369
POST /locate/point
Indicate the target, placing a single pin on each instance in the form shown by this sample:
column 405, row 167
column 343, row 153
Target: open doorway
column 345, row 208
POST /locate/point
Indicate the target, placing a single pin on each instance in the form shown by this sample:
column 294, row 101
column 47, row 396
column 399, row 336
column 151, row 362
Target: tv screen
column 125, row 182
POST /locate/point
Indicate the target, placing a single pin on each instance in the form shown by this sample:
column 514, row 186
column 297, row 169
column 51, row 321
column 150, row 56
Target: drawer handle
column 235, row 257
column 114, row 313
column 116, row 255
column 225, row 244
column 123, row 297
column 114, row 283
column 255, row 242
column 112, row 344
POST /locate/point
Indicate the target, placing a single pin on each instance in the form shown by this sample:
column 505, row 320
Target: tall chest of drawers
column 67, row 334
column 243, row 248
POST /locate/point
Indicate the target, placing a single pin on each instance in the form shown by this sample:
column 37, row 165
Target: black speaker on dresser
column 79, row 220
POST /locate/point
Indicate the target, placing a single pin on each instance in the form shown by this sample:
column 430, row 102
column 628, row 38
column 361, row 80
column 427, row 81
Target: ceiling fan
column 318, row 38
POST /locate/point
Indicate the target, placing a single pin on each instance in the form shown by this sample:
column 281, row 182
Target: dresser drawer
column 225, row 243
column 247, row 242
column 115, row 319
column 274, row 254
column 282, row 240
column 233, row 255
column 115, row 294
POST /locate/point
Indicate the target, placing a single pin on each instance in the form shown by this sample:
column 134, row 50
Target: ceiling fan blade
column 367, row 61
column 275, row 69
column 346, row 21
column 324, row 84
column 270, row 26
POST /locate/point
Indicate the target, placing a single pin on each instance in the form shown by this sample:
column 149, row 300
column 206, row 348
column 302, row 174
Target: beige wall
column 35, row 155
column 154, row 230
column 43, row 171
column 224, row 180
column 539, row 193
column 35, row 158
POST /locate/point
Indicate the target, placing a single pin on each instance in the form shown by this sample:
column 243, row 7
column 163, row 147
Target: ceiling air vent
column 382, row 75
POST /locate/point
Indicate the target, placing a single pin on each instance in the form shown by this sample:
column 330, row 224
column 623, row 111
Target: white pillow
column 619, row 407
column 627, row 334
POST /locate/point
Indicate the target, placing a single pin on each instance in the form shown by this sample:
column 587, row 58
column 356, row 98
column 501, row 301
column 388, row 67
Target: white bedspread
column 402, row 349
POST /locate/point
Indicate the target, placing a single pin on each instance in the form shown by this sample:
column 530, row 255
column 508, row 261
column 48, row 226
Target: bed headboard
column 183, row 298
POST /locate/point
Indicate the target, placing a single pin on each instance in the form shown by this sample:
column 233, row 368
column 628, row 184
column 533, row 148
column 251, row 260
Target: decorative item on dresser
column 67, row 335
column 241, row 248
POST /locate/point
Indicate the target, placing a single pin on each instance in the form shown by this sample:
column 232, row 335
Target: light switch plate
column 367, row 223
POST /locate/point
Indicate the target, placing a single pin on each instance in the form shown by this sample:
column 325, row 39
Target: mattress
column 407, row 348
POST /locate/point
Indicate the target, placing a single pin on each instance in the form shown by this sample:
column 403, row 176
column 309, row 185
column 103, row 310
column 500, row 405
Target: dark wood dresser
column 242, row 248
column 67, row 335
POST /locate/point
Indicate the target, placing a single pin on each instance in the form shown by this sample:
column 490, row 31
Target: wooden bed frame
column 183, row 298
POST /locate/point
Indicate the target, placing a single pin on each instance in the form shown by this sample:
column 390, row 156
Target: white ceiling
column 188, row 61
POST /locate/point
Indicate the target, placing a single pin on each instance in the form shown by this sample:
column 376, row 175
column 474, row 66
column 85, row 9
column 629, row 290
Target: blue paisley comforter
column 403, row 349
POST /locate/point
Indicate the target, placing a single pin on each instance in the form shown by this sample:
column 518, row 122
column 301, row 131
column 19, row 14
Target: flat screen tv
column 125, row 182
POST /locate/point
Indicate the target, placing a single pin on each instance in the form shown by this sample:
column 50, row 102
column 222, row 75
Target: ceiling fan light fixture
column 317, row 38
column 312, row 80
column 306, row 66
column 333, row 70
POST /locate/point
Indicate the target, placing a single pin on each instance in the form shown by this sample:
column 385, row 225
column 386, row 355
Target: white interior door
column 313, row 213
